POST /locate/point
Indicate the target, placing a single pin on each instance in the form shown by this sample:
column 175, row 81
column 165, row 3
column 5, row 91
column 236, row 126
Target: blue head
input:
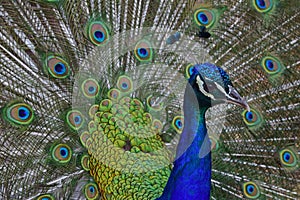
column 212, row 86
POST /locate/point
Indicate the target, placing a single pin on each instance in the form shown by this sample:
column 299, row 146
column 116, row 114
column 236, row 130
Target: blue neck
column 191, row 175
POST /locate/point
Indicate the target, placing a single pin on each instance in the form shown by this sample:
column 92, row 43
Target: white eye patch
column 201, row 88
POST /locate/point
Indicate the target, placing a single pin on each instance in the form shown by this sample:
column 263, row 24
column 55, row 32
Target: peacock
column 148, row 99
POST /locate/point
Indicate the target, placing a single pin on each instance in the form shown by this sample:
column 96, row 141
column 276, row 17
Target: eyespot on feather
column 271, row 65
column 84, row 137
column 251, row 190
column 57, row 67
column 85, row 159
column 61, row 153
column 143, row 51
column 288, row 158
column 189, row 70
column 45, row 197
column 157, row 125
column 105, row 105
column 98, row 33
column 204, row 17
column 263, row 6
column 19, row 114
column 114, row 94
column 178, row 123
column 147, row 117
column 252, row 118
column 152, row 105
column 93, row 109
column 90, row 88
column 74, row 119
column 124, row 84
column 91, row 191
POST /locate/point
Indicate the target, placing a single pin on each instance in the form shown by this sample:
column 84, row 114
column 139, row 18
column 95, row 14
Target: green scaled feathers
column 125, row 146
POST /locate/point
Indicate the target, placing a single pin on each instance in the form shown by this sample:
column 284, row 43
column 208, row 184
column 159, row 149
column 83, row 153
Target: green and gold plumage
column 91, row 96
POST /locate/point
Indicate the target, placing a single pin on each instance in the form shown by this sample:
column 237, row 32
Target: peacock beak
column 234, row 97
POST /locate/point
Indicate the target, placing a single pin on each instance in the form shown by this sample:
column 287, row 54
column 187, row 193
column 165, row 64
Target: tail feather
column 258, row 48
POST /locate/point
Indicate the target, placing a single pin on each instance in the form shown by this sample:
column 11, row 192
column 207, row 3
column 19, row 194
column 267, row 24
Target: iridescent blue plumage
column 191, row 175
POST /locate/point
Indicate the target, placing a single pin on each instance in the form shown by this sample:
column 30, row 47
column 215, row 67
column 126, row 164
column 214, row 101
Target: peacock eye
column 263, row 5
column 75, row 119
column 143, row 51
column 84, row 137
column 45, row 197
column 90, row 88
column 251, row 190
column 57, row 67
column 271, row 65
column 62, row 153
column 114, row 94
column 98, row 33
column 92, row 110
column 91, row 191
column 252, row 117
column 288, row 158
column 204, row 17
column 19, row 114
column 177, row 123
column 105, row 105
column 157, row 125
column 85, row 159
column 124, row 84
column 189, row 70
column 152, row 104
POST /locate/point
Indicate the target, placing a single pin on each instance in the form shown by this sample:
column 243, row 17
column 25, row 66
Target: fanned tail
column 257, row 154
column 60, row 60
column 44, row 46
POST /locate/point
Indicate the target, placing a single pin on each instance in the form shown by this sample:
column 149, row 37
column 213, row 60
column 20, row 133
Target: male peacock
column 96, row 95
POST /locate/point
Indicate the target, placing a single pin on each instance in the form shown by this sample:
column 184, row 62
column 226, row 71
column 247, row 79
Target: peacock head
column 212, row 86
